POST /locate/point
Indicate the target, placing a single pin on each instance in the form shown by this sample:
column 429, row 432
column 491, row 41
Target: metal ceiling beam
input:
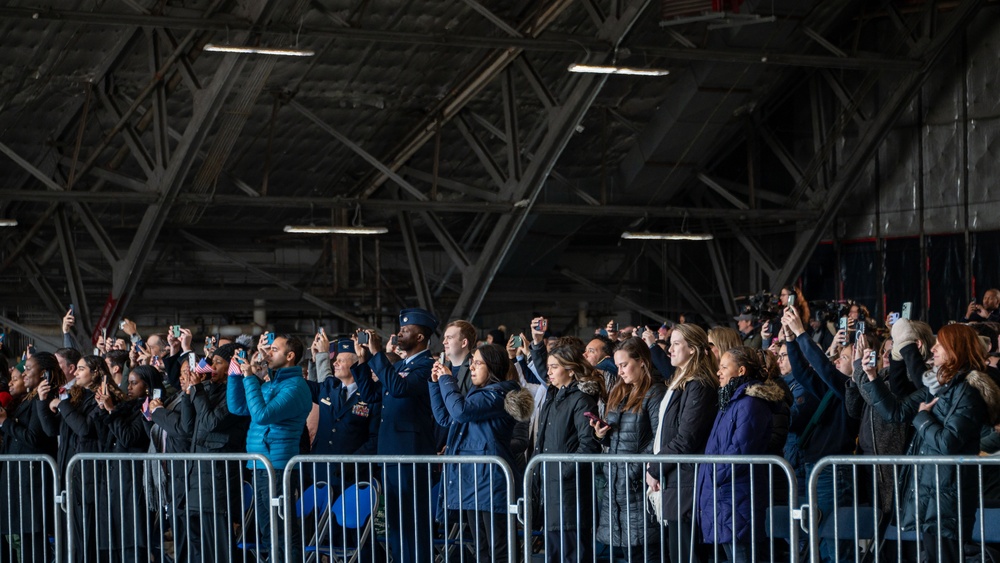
column 560, row 126
column 686, row 289
column 571, row 44
column 356, row 148
column 482, row 152
column 73, row 279
column 449, row 184
column 36, row 336
column 880, row 127
column 424, row 297
column 722, row 277
column 30, row 168
column 615, row 297
column 305, row 296
column 511, row 129
column 469, row 86
column 493, row 18
column 168, row 181
column 97, row 232
column 291, row 202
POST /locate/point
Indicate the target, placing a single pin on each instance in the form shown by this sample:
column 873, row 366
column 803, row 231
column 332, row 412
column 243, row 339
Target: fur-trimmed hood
column 989, row 391
column 519, row 404
column 768, row 390
column 590, row 386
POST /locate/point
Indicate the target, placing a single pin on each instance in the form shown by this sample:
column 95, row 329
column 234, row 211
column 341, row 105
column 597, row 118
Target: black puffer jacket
column 951, row 427
column 624, row 520
column 214, row 430
column 563, row 429
column 28, row 483
column 686, row 423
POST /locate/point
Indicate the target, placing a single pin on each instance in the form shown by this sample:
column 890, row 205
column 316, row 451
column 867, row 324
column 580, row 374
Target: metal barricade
column 899, row 508
column 438, row 509
column 598, row 507
column 169, row 507
column 30, row 526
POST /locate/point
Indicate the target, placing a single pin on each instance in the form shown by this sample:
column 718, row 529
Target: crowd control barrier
column 168, row 507
column 597, row 508
column 438, row 509
column 904, row 508
column 443, row 509
column 30, row 525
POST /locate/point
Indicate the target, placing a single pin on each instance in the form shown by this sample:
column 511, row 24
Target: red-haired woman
column 957, row 399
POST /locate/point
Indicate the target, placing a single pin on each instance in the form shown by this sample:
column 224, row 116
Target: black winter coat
column 214, row 430
column 74, row 424
column 951, row 427
column 563, row 429
column 624, row 519
column 686, row 424
column 26, row 487
column 121, row 505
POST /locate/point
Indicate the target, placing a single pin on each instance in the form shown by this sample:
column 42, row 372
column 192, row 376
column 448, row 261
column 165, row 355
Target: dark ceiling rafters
column 538, row 113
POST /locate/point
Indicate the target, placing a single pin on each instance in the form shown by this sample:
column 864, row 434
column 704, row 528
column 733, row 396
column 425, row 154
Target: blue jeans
column 826, row 492
column 262, row 509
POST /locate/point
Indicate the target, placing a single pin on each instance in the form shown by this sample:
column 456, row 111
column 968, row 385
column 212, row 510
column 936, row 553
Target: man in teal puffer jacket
column 277, row 411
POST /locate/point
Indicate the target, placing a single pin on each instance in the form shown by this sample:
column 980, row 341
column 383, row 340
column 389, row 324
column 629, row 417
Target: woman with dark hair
column 632, row 418
column 26, row 486
column 480, row 423
column 800, row 303
column 70, row 413
column 947, row 413
column 574, row 388
column 121, row 508
column 731, row 512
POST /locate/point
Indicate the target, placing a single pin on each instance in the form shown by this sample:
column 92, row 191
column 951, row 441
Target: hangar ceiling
column 152, row 178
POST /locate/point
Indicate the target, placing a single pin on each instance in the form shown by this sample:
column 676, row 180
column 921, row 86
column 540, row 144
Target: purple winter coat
column 743, row 429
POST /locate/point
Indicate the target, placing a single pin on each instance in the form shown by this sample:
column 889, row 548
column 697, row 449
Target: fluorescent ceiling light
column 8, row 222
column 646, row 235
column 605, row 69
column 258, row 50
column 314, row 230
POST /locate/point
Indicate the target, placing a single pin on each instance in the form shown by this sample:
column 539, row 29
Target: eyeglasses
column 477, row 363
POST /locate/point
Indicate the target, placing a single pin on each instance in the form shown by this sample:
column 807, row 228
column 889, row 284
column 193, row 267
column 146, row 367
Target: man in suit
column 406, row 428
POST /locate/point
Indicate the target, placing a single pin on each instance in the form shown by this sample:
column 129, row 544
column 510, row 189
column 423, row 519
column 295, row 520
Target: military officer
column 407, row 428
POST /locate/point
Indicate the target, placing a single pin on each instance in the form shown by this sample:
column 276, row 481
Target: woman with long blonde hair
column 684, row 422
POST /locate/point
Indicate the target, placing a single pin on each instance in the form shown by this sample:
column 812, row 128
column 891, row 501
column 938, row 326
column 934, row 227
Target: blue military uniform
column 347, row 425
column 407, row 428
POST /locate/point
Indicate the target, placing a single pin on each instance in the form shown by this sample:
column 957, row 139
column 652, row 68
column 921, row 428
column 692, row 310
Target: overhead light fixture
column 314, row 230
column 611, row 69
column 646, row 235
column 258, row 50
column 8, row 222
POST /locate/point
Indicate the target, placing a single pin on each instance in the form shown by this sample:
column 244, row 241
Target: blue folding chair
column 248, row 530
column 354, row 513
column 989, row 520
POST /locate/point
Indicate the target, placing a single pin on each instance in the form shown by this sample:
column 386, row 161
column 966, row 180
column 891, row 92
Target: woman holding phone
column 121, row 506
column 21, row 433
column 480, row 422
column 71, row 415
column 574, row 389
column 947, row 414
column 633, row 411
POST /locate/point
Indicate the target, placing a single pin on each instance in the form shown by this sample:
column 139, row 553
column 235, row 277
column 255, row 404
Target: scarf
column 931, row 381
column 726, row 391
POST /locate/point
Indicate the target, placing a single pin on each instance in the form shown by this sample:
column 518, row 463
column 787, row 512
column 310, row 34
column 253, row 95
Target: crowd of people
column 787, row 383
